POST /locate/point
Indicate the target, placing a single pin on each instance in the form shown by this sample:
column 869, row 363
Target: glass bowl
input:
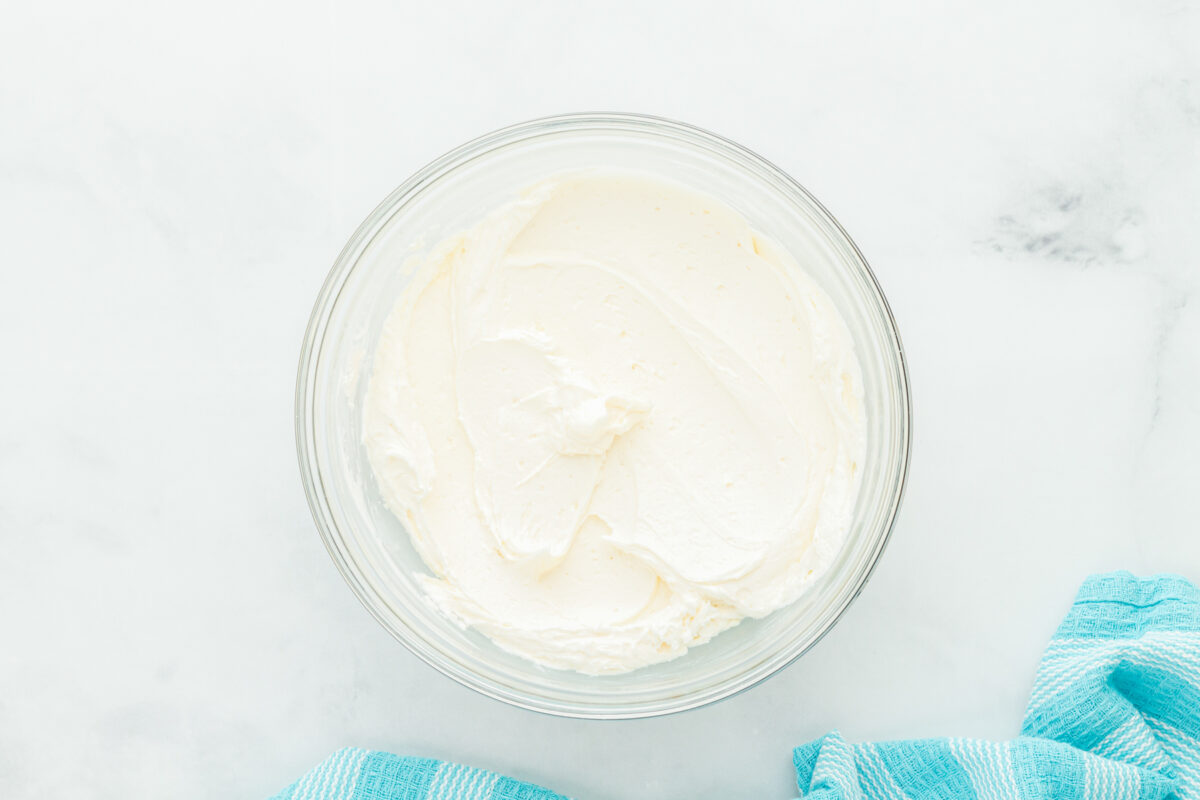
column 370, row 546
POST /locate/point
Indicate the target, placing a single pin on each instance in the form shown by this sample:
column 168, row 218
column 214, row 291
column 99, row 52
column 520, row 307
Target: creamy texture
column 615, row 421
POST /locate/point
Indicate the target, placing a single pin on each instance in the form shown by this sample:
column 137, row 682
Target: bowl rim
column 306, row 389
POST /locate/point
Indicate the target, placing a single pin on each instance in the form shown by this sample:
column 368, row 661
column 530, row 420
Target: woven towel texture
column 1114, row 715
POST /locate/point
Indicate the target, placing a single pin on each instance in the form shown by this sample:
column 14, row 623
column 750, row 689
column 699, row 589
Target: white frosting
column 615, row 421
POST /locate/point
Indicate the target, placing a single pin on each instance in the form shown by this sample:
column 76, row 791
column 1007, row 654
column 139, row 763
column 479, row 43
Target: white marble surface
column 175, row 180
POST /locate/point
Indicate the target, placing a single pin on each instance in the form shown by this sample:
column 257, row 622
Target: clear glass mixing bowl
column 370, row 546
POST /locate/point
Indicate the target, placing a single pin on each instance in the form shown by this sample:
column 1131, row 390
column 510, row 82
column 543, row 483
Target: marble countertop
column 177, row 180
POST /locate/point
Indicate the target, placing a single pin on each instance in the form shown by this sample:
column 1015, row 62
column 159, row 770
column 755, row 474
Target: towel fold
column 1114, row 715
column 353, row 774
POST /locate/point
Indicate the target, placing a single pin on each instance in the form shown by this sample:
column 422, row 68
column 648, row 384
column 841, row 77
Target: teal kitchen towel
column 1115, row 713
column 353, row 774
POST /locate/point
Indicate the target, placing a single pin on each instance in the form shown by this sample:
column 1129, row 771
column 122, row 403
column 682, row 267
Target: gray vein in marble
column 1072, row 225
column 1169, row 321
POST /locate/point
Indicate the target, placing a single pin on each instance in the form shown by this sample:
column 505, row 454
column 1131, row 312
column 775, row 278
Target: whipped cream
column 615, row 421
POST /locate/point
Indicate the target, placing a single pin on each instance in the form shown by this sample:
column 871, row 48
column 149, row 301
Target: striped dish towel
column 1114, row 715
column 354, row 774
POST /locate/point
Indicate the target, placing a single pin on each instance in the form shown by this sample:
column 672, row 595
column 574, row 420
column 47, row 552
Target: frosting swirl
column 615, row 421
